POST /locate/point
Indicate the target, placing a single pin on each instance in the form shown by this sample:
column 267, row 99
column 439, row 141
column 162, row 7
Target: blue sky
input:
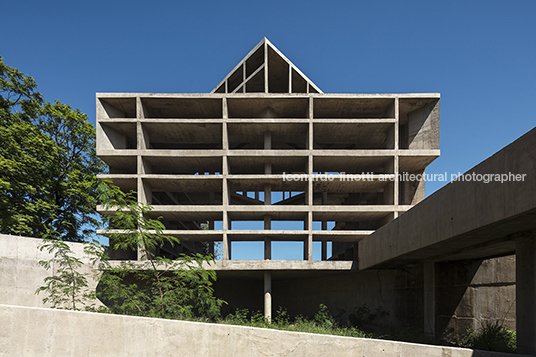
column 480, row 55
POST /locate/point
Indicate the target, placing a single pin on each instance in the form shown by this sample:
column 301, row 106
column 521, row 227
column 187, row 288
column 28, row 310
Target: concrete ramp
column 47, row 332
column 476, row 217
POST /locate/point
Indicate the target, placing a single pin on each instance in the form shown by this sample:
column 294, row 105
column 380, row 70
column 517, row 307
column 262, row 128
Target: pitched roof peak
column 266, row 70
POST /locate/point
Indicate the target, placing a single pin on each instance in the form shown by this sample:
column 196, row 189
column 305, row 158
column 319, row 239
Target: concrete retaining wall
column 20, row 275
column 471, row 293
column 302, row 295
column 47, row 332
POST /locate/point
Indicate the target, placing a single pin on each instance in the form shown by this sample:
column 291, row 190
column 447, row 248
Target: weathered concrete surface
column 526, row 293
column 47, row 332
column 301, row 293
column 20, row 275
column 471, row 293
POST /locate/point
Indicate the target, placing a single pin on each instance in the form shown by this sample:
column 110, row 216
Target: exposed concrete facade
column 235, row 154
column 257, row 149
column 46, row 332
column 224, row 158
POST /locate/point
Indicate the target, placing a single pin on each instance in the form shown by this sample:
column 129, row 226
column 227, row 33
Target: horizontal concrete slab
column 264, row 265
column 109, row 95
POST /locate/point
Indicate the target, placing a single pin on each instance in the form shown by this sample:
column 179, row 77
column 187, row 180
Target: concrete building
column 460, row 258
column 267, row 146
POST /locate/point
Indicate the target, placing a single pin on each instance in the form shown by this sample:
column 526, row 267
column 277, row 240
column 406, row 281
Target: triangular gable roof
column 266, row 70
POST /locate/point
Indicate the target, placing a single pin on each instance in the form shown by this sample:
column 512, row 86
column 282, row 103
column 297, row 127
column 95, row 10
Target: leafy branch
column 67, row 288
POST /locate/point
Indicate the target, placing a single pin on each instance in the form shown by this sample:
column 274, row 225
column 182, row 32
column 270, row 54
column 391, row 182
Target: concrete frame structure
column 227, row 156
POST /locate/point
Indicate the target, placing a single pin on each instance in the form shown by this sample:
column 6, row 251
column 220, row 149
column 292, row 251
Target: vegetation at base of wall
column 321, row 323
column 152, row 287
column 362, row 322
column 365, row 323
column 492, row 337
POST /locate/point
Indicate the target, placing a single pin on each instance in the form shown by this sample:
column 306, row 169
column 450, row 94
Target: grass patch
column 364, row 323
column 321, row 323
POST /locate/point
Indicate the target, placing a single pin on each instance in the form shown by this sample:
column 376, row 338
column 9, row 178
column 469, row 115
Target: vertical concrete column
column 267, row 168
column 267, row 140
column 308, row 244
column 211, row 225
column 429, row 298
column 289, row 78
column 267, row 221
column 244, row 76
column 324, row 228
column 267, row 241
column 324, row 242
column 267, row 194
column 145, row 195
column 141, row 193
column 267, row 197
column 226, row 244
column 397, row 124
column 526, row 293
column 225, row 188
column 268, row 296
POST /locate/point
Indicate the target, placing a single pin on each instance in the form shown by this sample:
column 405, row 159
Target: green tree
column 154, row 286
column 48, row 164
column 67, row 288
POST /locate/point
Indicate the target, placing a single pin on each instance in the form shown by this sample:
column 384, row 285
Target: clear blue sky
column 480, row 55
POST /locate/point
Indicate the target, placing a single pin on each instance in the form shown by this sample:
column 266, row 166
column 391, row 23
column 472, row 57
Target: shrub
column 493, row 337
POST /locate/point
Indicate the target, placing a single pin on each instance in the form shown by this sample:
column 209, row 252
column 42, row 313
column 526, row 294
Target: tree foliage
column 48, row 164
column 67, row 288
column 154, row 286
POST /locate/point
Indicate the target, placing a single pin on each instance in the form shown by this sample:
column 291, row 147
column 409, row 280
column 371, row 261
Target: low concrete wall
column 20, row 275
column 47, row 332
